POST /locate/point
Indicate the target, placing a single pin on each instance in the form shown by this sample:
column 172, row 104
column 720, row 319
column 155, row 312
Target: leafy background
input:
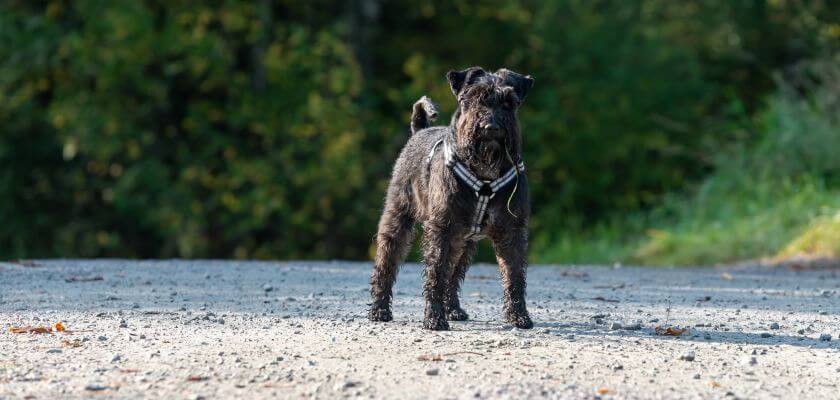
column 658, row 132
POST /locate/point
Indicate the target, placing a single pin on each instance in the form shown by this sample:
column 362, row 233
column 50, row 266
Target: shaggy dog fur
column 484, row 134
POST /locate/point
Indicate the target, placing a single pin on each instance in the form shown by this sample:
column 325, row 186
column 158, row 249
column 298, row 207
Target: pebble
column 766, row 334
column 267, row 288
column 116, row 358
column 432, row 372
column 774, row 326
column 615, row 326
column 102, row 338
column 825, row 337
column 123, row 323
column 633, row 327
column 95, row 387
column 53, row 351
column 688, row 356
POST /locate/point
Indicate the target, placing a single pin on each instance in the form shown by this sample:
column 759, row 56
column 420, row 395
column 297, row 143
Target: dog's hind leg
column 454, row 312
column 393, row 240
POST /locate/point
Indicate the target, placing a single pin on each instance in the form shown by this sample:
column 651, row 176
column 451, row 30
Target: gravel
column 688, row 356
column 210, row 329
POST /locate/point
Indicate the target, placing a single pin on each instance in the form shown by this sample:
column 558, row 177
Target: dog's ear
column 460, row 79
column 521, row 83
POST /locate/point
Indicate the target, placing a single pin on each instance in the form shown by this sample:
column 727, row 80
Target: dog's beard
column 485, row 158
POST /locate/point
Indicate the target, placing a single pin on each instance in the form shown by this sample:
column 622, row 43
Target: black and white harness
column 484, row 190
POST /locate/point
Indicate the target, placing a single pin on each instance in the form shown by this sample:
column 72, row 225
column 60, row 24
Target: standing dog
column 463, row 182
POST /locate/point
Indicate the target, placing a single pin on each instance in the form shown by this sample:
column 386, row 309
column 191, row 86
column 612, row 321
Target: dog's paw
column 457, row 314
column 436, row 324
column 521, row 321
column 380, row 314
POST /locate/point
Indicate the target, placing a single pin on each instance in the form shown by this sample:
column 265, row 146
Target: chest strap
column 484, row 190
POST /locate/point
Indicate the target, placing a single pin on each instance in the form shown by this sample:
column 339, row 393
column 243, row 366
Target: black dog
column 463, row 182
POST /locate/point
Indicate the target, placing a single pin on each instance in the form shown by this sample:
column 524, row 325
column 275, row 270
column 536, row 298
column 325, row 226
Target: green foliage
column 267, row 129
column 778, row 197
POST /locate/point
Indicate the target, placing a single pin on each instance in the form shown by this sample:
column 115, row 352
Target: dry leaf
column 726, row 276
column 74, row 343
column 430, row 357
column 196, row 378
column 30, row 329
column 59, row 326
column 714, row 384
column 602, row 391
column 670, row 331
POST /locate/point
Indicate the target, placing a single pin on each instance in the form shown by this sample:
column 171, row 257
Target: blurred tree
column 267, row 129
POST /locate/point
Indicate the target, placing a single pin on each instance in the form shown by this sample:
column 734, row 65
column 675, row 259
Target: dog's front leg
column 510, row 246
column 439, row 254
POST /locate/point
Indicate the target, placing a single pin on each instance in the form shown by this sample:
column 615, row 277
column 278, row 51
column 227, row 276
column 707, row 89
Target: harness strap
column 484, row 190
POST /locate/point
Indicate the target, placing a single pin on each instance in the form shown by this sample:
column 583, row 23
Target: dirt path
column 211, row 329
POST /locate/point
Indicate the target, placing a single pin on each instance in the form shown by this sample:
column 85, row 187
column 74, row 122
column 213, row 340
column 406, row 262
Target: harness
column 484, row 190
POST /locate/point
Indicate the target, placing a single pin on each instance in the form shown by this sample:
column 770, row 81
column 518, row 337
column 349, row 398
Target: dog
column 462, row 182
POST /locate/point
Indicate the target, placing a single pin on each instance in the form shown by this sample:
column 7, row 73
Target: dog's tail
column 423, row 114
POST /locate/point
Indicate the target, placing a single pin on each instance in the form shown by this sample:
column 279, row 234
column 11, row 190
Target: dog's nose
column 491, row 128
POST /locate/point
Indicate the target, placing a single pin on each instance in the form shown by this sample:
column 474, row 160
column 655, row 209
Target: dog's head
column 485, row 123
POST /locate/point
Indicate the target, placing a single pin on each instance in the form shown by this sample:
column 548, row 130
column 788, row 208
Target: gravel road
column 219, row 329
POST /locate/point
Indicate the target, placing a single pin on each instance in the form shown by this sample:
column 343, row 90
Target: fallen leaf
column 59, row 326
column 714, row 384
column 74, row 343
column 602, row 391
column 430, row 357
column 669, row 331
column 30, row 329
column 726, row 276
column 196, row 378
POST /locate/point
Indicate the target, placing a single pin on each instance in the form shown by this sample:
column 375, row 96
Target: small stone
column 123, row 323
column 633, row 327
column 825, row 337
column 750, row 361
column 688, row 356
column 53, row 351
column 696, row 376
column 267, row 288
column 432, row 372
column 774, row 326
column 346, row 385
column 102, row 338
column 615, row 326
column 116, row 358
column 96, row 387
column 801, row 331
column 766, row 334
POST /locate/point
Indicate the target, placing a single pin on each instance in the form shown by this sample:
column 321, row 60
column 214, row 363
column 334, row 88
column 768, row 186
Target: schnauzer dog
column 463, row 182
